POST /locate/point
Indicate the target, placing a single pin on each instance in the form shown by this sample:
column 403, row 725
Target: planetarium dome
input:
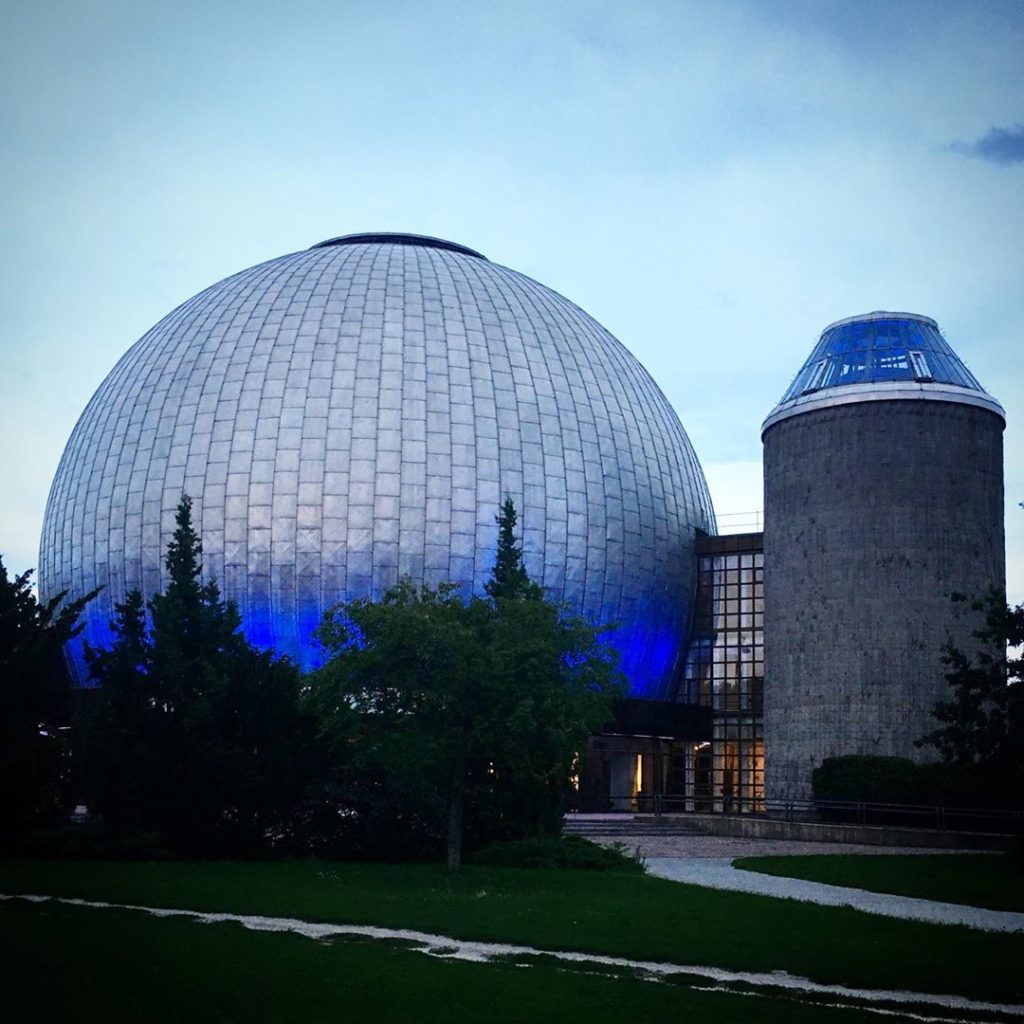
column 354, row 413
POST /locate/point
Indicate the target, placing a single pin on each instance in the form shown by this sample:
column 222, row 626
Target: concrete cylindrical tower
column 883, row 472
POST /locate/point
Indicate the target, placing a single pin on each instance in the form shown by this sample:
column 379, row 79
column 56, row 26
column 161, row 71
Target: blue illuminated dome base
column 880, row 356
column 355, row 413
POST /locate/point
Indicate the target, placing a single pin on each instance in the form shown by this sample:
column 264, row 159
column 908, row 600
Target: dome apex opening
column 398, row 238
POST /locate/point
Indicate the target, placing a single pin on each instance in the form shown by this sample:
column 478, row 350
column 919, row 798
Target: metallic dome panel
column 354, row 413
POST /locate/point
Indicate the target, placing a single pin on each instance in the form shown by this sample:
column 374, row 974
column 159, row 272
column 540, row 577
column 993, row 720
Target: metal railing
column 740, row 522
column 998, row 821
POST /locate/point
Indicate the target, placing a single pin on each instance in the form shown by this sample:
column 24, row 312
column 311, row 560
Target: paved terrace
column 676, row 836
column 677, row 851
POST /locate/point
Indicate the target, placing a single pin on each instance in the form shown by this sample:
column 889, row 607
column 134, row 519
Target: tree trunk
column 456, row 807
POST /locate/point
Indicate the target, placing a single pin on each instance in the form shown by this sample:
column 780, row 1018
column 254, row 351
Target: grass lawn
column 110, row 966
column 976, row 879
column 606, row 912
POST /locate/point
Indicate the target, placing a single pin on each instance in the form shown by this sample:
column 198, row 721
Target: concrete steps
column 626, row 825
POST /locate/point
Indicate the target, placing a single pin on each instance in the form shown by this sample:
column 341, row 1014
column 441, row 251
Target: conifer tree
column 33, row 689
column 116, row 743
column 509, row 578
column 207, row 742
column 192, row 626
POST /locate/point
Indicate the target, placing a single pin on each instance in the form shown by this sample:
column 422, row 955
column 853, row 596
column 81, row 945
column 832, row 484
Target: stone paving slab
column 737, row 846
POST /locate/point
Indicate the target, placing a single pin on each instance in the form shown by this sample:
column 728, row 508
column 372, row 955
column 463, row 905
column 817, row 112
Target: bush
column 91, row 841
column 870, row 779
column 896, row 780
column 571, row 852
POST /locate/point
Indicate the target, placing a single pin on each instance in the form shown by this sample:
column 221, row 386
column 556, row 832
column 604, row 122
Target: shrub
column 91, row 841
column 896, row 780
column 571, row 852
column 864, row 777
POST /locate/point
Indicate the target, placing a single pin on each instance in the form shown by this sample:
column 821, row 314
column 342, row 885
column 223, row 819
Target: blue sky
column 714, row 182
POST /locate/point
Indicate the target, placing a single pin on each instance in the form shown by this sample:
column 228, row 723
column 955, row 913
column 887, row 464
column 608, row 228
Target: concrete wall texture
column 875, row 513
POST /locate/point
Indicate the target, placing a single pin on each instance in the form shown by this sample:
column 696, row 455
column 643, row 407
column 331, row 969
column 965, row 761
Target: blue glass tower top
column 880, row 346
column 881, row 355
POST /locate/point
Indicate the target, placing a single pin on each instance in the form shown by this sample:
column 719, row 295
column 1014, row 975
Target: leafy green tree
column 33, row 691
column 982, row 723
column 471, row 708
column 377, row 796
column 561, row 673
column 402, row 676
column 558, row 678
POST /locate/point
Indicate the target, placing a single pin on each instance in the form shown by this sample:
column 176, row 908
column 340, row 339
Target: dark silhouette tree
column 115, row 731
column 509, row 578
column 208, row 728
column 981, row 727
column 33, row 698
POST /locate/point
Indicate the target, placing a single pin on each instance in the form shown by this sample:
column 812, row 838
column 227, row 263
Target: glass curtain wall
column 725, row 671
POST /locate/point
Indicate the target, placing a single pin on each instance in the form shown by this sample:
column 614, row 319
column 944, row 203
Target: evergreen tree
column 556, row 674
column 196, row 734
column 192, row 626
column 33, row 696
column 116, row 735
column 509, row 578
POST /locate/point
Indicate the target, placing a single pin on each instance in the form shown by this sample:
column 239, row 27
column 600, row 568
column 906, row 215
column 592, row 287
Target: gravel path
column 718, row 873
column 707, row 860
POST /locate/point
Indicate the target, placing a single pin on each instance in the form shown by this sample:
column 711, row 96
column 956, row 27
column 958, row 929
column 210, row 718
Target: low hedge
column 898, row 780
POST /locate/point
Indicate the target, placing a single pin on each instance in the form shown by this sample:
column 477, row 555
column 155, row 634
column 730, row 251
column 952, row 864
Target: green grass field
column 988, row 880
column 108, row 962
column 82, row 965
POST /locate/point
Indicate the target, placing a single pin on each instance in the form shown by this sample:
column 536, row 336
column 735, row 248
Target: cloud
column 997, row 146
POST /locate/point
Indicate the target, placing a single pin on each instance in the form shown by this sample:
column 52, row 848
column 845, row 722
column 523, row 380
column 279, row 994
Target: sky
column 714, row 182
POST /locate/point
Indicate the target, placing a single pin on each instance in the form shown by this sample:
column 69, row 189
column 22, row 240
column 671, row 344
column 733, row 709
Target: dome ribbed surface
column 355, row 413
